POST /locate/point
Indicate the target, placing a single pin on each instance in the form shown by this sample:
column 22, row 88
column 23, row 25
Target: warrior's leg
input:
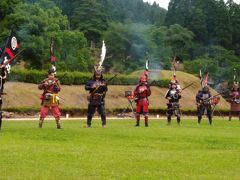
column 1, row 112
column 58, row 122
column 169, row 115
column 169, row 119
column 101, row 111
column 178, row 119
column 43, row 114
column 178, row 115
column 146, row 120
column 200, row 113
column 145, row 112
column 40, row 122
column 56, row 113
column 0, row 119
column 230, row 115
column 209, row 113
column 138, row 111
column 137, row 119
column 199, row 119
column 90, row 112
column 210, row 120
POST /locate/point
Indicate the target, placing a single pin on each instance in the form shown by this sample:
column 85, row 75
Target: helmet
column 98, row 72
column 51, row 70
column 205, row 89
column 236, row 85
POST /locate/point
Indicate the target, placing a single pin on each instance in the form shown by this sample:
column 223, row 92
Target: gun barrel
column 187, row 86
column 6, row 63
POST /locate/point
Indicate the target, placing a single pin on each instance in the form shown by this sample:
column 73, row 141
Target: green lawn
column 121, row 151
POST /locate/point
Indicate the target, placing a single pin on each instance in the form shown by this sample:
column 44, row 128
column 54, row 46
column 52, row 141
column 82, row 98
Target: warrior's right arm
column 41, row 86
column 88, row 86
column 198, row 97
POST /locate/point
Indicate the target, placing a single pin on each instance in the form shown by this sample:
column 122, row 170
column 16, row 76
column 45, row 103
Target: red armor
column 141, row 94
column 235, row 102
column 50, row 99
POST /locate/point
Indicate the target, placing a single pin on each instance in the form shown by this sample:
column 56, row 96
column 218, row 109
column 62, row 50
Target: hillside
column 27, row 95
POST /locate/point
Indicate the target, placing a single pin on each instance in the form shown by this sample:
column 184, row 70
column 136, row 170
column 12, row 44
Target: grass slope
column 120, row 151
column 27, row 95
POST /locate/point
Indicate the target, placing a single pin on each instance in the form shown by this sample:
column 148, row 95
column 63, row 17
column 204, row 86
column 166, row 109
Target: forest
column 201, row 34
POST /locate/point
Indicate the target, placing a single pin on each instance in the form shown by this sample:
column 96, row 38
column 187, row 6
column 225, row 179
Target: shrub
column 76, row 78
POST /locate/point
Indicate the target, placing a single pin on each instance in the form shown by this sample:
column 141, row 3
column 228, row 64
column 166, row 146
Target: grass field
column 121, row 151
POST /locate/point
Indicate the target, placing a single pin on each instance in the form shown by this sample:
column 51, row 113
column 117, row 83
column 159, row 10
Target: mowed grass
column 121, row 151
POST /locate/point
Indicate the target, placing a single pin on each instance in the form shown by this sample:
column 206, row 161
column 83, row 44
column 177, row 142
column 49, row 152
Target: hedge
column 76, row 78
column 77, row 112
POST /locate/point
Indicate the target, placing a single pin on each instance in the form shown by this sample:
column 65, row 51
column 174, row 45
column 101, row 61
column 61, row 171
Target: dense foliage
column 78, row 78
column 202, row 34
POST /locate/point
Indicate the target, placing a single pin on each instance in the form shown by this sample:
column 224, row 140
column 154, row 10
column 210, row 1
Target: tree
column 37, row 23
column 127, row 46
column 180, row 39
column 90, row 18
column 234, row 14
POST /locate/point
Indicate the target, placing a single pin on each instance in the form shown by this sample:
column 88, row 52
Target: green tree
column 234, row 14
column 37, row 23
column 127, row 46
column 90, row 19
column 180, row 40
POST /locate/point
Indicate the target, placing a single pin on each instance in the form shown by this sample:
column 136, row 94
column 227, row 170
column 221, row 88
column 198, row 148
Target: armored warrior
column 50, row 98
column 3, row 76
column 234, row 101
column 9, row 54
column 173, row 95
column 141, row 94
column 97, row 88
column 203, row 101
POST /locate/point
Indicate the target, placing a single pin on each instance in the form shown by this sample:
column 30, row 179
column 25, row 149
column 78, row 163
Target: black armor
column 97, row 88
column 203, row 100
column 173, row 95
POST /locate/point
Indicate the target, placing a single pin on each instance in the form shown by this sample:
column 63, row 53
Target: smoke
column 155, row 74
